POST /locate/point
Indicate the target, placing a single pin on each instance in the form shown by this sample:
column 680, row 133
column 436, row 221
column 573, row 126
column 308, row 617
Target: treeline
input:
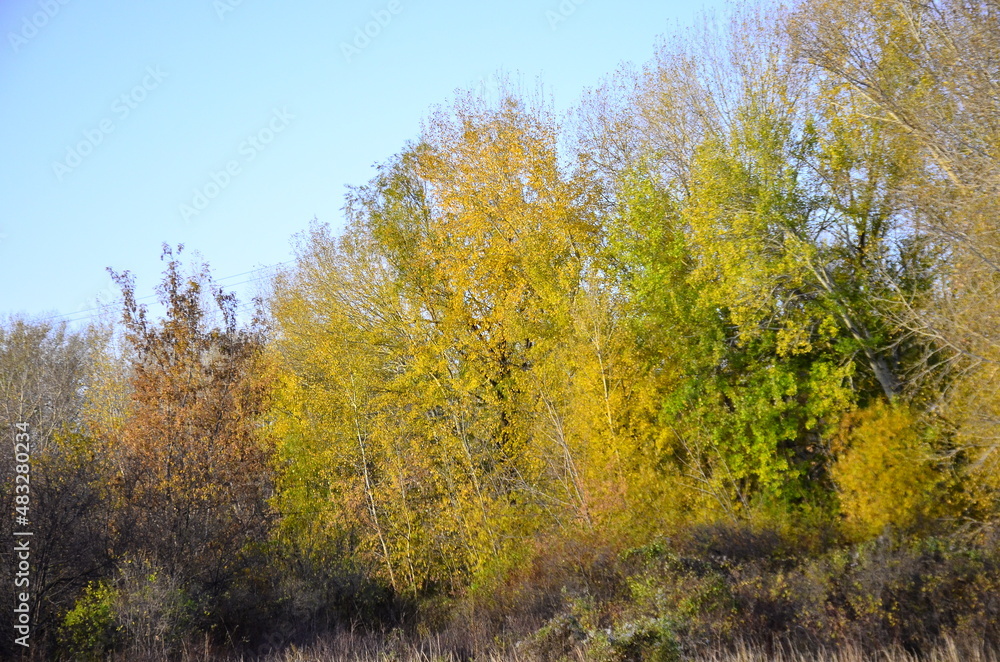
column 714, row 357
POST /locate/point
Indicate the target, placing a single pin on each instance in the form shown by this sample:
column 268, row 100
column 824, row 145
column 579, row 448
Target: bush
column 886, row 473
column 652, row 640
column 143, row 611
column 153, row 610
column 90, row 629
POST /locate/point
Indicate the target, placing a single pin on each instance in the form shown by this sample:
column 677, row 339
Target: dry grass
column 348, row 648
column 353, row 647
column 947, row 652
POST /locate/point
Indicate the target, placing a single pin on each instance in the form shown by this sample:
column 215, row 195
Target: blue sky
column 115, row 114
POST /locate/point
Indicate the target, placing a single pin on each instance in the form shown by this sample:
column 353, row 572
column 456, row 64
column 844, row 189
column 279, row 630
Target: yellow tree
column 431, row 337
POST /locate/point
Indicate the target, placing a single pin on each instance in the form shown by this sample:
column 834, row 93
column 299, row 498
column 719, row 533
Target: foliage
column 89, row 629
column 887, row 473
column 193, row 472
column 713, row 359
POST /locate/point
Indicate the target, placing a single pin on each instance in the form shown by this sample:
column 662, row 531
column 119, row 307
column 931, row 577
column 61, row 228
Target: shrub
column 152, row 608
column 885, row 472
column 90, row 629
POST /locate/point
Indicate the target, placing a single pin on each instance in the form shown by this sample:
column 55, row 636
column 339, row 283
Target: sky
column 228, row 125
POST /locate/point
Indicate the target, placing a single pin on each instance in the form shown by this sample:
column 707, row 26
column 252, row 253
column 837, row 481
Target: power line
column 219, row 281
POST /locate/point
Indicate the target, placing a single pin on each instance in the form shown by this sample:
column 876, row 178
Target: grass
column 351, row 649
column 354, row 647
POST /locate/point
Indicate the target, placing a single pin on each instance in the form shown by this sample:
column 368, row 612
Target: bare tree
column 44, row 371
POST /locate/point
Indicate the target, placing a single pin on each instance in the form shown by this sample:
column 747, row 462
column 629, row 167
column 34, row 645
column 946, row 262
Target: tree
column 45, row 371
column 762, row 236
column 192, row 458
column 928, row 74
column 426, row 352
